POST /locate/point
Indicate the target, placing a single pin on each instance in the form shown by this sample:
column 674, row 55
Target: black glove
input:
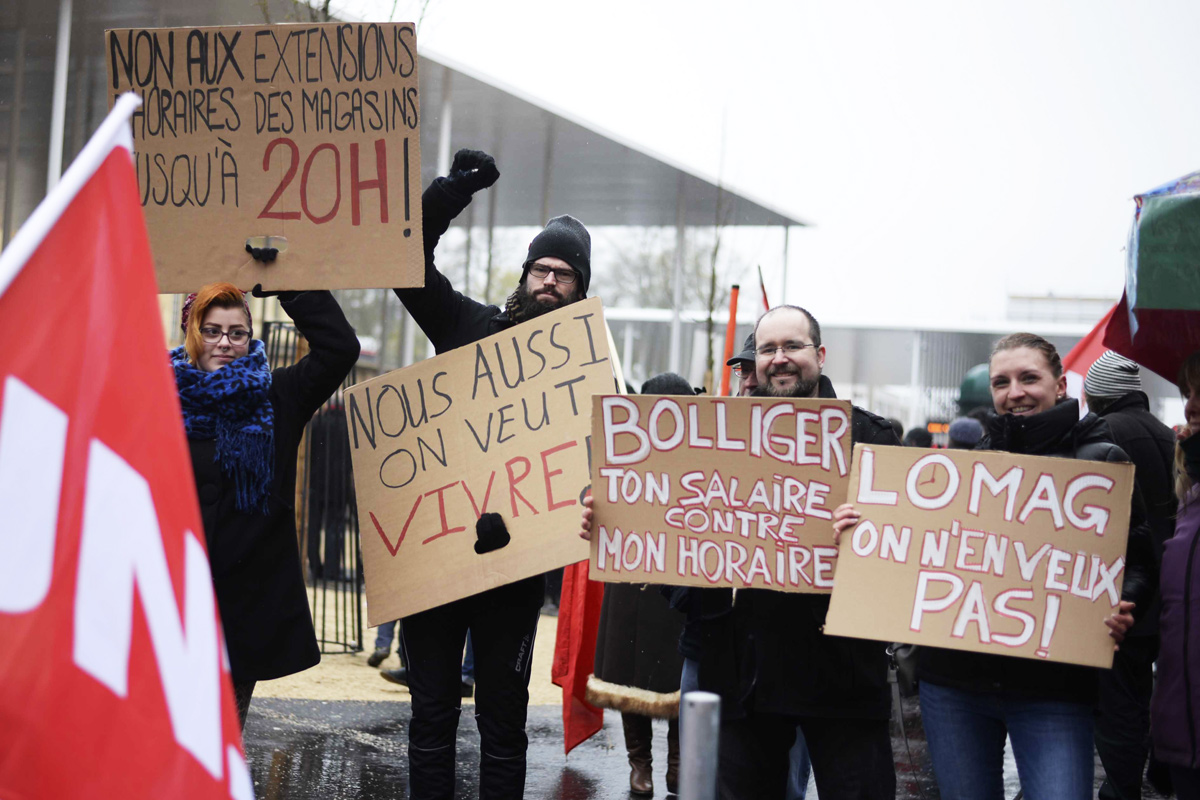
column 491, row 532
column 263, row 254
column 259, row 291
column 472, row 170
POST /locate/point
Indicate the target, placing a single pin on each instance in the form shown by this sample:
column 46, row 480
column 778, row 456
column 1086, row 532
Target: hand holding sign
column 589, row 514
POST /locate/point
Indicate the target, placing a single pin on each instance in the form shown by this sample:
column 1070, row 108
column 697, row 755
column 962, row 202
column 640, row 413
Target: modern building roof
column 551, row 161
column 583, row 169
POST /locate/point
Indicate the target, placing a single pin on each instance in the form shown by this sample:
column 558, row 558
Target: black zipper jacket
column 1058, row 432
column 768, row 652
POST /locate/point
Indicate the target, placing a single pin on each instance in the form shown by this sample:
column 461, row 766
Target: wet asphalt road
column 300, row 749
column 352, row 750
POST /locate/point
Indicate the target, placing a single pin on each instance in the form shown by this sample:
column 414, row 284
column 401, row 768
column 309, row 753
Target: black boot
column 673, row 756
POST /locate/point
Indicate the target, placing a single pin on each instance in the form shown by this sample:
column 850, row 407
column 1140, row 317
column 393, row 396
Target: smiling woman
column 971, row 701
column 1026, row 375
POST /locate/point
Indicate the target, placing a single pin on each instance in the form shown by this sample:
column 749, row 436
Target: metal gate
column 326, row 514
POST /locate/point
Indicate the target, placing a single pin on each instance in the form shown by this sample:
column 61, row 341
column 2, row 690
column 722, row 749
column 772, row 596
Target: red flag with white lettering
column 112, row 673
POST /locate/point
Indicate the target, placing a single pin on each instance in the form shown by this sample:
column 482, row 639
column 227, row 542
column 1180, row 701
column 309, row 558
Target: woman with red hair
column 244, row 422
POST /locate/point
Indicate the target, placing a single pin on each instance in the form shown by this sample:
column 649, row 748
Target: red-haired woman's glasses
column 237, row 336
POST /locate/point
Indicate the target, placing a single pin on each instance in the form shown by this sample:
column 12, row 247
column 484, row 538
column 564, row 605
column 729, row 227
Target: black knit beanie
column 565, row 237
column 668, row 383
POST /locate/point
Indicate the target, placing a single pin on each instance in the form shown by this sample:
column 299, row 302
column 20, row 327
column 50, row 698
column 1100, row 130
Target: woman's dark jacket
column 255, row 557
column 768, row 653
column 636, row 642
column 1175, row 707
column 1058, row 433
column 1150, row 445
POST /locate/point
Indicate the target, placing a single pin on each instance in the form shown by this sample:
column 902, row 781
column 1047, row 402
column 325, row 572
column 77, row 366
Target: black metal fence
column 326, row 514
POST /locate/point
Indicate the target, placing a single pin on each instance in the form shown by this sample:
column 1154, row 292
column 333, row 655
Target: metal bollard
column 699, row 732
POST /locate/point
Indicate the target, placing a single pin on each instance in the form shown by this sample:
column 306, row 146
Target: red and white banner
column 113, row 680
column 1077, row 362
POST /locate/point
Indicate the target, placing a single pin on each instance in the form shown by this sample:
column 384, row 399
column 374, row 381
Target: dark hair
column 897, row 426
column 1189, row 373
column 1015, row 341
column 918, row 437
column 814, row 327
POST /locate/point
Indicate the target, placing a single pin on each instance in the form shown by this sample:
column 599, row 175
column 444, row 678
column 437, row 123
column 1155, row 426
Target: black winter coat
column 1058, row 433
column 635, row 643
column 1150, row 445
column 448, row 317
column 255, row 558
column 769, row 652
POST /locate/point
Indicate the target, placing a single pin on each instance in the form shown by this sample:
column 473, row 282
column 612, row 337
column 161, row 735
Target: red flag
column 762, row 286
column 1077, row 362
column 1160, row 341
column 575, row 653
column 112, row 666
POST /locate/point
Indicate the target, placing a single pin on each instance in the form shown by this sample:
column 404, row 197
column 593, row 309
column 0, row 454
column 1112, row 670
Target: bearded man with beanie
column 1113, row 390
column 502, row 621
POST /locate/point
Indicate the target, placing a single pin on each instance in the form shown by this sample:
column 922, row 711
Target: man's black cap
column 747, row 353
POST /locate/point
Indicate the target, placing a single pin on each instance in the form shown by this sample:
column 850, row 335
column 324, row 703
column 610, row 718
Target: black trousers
column 242, row 692
column 851, row 758
column 1123, row 718
column 503, row 623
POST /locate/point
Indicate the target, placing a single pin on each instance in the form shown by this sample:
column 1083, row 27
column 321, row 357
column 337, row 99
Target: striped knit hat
column 1112, row 375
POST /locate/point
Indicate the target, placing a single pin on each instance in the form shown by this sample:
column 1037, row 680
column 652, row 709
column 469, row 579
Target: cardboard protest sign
column 501, row 426
column 718, row 491
column 301, row 137
column 984, row 551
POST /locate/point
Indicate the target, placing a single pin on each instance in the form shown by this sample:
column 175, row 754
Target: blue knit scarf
column 232, row 406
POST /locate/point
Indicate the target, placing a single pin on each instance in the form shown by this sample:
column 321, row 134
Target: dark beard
column 803, row 388
column 526, row 306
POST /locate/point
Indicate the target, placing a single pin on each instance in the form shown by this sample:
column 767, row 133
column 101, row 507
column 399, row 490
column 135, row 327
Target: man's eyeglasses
column 743, row 369
column 563, row 276
column 788, row 348
column 237, row 336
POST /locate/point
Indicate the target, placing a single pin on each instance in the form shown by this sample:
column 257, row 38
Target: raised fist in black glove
column 471, row 171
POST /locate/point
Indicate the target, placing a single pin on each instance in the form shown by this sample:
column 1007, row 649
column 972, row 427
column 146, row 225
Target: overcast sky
column 947, row 154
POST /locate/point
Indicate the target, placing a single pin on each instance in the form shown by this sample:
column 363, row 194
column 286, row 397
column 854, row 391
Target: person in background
column 964, row 433
column 970, row 702
column 743, row 368
column 918, row 437
column 385, row 634
column 897, row 426
column 638, row 664
column 244, row 422
column 1113, row 391
column 1175, row 705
